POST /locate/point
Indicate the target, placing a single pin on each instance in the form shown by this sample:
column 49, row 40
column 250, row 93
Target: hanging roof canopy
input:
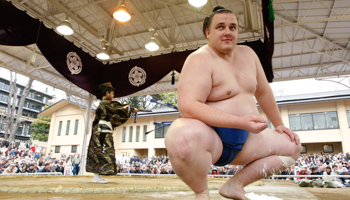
column 311, row 37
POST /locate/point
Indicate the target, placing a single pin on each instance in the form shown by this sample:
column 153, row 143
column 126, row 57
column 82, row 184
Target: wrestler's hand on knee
column 254, row 123
column 293, row 136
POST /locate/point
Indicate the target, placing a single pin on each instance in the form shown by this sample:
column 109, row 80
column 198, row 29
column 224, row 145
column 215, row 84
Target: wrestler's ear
column 207, row 32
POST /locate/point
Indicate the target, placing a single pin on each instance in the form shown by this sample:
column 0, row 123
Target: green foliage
column 40, row 128
column 170, row 97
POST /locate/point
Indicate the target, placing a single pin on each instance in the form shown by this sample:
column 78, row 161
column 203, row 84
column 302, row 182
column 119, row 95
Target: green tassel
column 270, row 9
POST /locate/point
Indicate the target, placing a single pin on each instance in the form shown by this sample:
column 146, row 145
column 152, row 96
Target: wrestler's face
column 222, row 33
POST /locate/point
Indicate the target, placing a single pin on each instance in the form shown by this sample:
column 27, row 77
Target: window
column 76, row 127
column 303, row 149
column 67, row 129
column 319, row 121
column 124, row 134
column 328, row 148
column 130, row 133
column 57, row 149
column 348, row 115
column 137, row 133
column 331, row 120
column 59, row 128
column 144, row 133
column 161, row 130
column 74, row 149
column 314, row 121
column 306, row 121
column 5, row 86
column 295, row 123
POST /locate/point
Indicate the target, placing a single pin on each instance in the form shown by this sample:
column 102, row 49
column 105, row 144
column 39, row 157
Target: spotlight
column 65, row 27
column 103, row 54
column 122, row 14
column 152, row 44
column 197, row 3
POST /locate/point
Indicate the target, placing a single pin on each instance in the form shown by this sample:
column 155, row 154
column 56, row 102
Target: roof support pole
column 86, row 133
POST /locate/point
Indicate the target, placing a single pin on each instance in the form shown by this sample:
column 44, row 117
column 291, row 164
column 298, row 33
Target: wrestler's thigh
column 193, row 134
column 268, row 142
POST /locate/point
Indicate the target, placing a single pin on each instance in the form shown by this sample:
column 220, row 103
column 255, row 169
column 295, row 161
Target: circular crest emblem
column 74, row 63
column 137, row 76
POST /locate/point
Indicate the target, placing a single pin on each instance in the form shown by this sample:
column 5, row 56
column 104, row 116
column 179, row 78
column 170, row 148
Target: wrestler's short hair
column 105, row 87
column 208, row 19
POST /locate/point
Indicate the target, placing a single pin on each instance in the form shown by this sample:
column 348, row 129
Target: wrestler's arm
column 267, row 102
column 194, row 87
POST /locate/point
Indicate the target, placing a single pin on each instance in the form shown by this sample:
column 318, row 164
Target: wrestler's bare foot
column 202, row 196
column 232, row 190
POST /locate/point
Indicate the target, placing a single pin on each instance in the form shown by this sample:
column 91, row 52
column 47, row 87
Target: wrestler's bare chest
column 231, row 79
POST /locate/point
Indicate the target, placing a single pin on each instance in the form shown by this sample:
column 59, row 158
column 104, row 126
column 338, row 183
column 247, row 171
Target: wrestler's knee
column 181, row 138
column 289, row 158
column 297, row 150
column 294, row 151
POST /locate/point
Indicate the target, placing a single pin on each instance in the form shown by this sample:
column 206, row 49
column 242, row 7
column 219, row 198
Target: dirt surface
column 155, row 188
column 330, row 193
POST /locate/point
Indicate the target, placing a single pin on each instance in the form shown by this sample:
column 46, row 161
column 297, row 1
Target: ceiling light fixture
column 152, row 44
column 65, row 27
column 197, row 3
column 122, row 14
column 103, row 54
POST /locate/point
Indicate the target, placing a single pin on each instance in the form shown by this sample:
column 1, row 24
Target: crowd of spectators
column 321, row 164
column 23, row 157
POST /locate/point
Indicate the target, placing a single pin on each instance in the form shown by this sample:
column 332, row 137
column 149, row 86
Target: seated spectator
column 345, row 180
column 303, row 172
column 132, row 169
column 221, row 171
column 31, row 169
column 314, row 172
column 3, row 164
column 155, row 169
column 59, row 168
column 23, row 168
column 46, row 168
column 232, row 170
column 10, row 169
column 328, row 171
column 148, row 170
column 171, row 171
column 163, row 171
column 335, row 170
column 214, row 171
column 36, row 167
column 17, row 166
column 138, row 169
column 322, row 169
column 288, row 171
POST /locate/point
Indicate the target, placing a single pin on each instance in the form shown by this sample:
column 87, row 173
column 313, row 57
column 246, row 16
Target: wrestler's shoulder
column 204, row 51
column 244, row 49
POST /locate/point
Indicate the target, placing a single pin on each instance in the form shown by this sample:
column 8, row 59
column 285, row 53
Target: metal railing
column 31, row 174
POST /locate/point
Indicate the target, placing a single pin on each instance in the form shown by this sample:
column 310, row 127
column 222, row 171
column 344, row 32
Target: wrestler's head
column 221, row 30
column 209, row 18
column 107, row 90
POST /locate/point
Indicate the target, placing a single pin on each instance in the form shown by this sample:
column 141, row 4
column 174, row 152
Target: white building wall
column 141, row 148
column 313, row 139
column 72, row 113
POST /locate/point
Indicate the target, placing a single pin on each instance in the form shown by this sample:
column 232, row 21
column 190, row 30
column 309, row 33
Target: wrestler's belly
column 239, row 105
